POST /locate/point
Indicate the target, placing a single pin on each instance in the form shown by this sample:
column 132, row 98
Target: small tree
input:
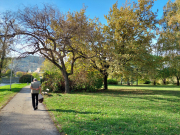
column 19, row 73
column 36, row 75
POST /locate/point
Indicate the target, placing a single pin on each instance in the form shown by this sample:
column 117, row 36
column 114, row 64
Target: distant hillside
column 28, row 63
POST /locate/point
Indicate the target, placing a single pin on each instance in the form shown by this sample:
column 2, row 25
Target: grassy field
column 130, row 110
column 6, row 95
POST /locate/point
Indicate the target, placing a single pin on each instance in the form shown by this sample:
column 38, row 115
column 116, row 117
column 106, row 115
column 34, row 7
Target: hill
column 28, row 63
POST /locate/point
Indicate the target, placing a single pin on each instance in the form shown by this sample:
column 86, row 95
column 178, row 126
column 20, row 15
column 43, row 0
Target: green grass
column 130, row 110
column 6, row 95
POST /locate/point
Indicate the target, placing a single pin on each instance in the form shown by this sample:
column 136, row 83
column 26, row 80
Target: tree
column 164, row 74
column 169, row 37
column 55, row 35
column 36, row 75
column 103, row 59
column 8, row 72
column 5, row 39
column 48, row 66
column 175, row 68
column 129, row 31
column 19, row 73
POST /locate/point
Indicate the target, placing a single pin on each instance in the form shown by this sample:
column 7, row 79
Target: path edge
column 51, row 115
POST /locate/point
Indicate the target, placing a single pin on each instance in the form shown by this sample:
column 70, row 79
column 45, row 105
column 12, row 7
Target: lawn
column 6, row 95
column 130, row 110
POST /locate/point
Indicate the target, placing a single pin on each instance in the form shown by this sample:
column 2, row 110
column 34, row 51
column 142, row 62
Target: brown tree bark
column 105, row 82
column 177, row 81
column 67, row 87
column 164, row 81
column 154, row 82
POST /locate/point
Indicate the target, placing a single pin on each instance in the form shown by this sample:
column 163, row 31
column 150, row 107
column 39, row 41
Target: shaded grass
column 120, row 110
column 6, row 95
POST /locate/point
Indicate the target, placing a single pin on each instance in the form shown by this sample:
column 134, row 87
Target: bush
column 79, row 81
column 86, row 80
column 25, row 79
column 53, row 81
column 112, row 81
column 147, row 82
column 167, row 82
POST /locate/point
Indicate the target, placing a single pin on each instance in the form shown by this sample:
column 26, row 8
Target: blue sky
column 95, row 8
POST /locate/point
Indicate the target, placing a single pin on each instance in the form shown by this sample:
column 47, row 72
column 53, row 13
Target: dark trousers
column 34, row 100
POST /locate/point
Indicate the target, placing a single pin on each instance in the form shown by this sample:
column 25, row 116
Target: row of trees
column 123, row 47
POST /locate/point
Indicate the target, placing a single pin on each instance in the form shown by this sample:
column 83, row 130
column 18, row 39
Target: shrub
column 42, row 80
column 112, row 81
column 79, row 81
column 168, row 82
column 53, row 81
column 86, row 80
column 25, row 79
column 147, row 82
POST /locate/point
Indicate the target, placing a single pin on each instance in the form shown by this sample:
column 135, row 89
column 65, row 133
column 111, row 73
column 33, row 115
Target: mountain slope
column 28, row 63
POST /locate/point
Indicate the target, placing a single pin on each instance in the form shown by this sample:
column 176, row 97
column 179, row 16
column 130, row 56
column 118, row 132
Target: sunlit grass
column 120, row 110
column 5, row 94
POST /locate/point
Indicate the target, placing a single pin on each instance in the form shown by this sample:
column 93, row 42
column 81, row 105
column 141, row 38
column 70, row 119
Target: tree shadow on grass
column 130, row 92
column 152, row 86
column 25, row 90
column 70, row 111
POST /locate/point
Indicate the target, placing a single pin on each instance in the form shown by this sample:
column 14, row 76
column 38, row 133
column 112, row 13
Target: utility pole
column 11, row 72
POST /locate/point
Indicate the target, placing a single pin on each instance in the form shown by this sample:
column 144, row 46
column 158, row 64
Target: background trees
column 169, row 38
column 122, row 48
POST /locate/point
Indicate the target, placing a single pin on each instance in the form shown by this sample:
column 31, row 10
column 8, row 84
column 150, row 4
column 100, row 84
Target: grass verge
column 126, row 110
column 6, row 95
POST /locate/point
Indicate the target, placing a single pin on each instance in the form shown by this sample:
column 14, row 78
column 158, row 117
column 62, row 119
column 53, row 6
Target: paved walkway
column 19, row 118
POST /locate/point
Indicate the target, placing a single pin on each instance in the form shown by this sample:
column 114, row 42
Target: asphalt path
column 19, row 118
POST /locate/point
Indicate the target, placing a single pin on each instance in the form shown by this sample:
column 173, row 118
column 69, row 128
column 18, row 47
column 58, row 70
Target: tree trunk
column 128, row 83
column 137, row 82
column 164, row 81
column 154, row 82
column 2, row 60
column 105, row 82
column 0, row 69
column 67, row 88
column 4, row 47
column 121, row 80
column 177, row 81
column 131, row 82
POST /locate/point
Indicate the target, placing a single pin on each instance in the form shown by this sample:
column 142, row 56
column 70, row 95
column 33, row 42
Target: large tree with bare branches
column 57, row 36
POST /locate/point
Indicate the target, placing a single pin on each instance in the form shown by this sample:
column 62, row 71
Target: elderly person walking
column 35, row 88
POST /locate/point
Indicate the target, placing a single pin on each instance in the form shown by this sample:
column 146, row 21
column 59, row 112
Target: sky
column 95, row 8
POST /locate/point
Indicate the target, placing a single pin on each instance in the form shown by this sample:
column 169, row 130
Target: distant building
column 37, row 70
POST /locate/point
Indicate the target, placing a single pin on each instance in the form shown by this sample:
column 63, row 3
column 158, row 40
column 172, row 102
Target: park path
column 19, row 118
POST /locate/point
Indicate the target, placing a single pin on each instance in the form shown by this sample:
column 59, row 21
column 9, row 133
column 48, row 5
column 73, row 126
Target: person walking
column 35, row 88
